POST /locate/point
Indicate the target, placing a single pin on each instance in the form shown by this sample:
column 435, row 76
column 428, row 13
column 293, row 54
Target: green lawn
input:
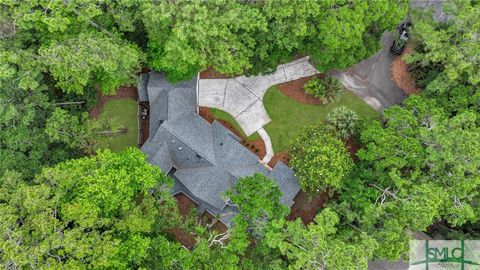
column 290, row 117
column 219, row 114
column 124, row 113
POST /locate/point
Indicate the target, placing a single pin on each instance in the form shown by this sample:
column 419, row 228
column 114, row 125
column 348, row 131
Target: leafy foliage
column 446, row 59
column 319, row 160
column 342, row 121
column 258, row 199
column 318, row 245
column 86, row 58
column 420, row 166
column 327, row 89
column 252, row 38
column 91, row 212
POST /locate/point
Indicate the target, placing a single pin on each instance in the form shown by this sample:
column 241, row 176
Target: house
column 204, row 159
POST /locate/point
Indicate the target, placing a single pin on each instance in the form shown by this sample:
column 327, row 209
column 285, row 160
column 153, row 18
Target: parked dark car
column 401, row 39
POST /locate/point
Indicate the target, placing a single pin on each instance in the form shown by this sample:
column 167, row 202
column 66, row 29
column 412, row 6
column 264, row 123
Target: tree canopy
column 418, row 167
column 91, row 212
column 320, row 160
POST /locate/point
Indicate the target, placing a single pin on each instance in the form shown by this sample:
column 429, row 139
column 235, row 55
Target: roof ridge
column 171, row 131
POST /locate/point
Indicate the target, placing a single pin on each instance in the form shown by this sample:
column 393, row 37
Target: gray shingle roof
column 208, row 158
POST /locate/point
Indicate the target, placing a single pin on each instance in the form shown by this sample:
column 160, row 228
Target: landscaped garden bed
column 402, row 76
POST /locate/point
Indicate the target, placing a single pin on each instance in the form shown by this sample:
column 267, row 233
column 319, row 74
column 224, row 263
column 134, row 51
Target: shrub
column 327, row 90
column 320, row 160
column 342, row 122
column 315, row 87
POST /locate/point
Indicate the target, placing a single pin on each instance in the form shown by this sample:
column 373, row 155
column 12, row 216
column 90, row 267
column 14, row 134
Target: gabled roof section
column 287, row 182
column 208, row 158
column 196, row 133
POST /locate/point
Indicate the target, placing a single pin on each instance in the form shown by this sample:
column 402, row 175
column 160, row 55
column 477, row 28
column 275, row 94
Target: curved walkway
column 242, row 97
column 268, row 145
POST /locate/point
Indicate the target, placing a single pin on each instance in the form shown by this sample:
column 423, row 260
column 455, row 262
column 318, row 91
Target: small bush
column 342, row 122
column 314, row 87
column 327, row 90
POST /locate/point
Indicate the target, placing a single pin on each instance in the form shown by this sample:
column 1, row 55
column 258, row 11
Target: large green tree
column 92, row 212
column 254, row 37
column 320, row 160
column 89, row 58
column 445, row 60
column 419, row 166
column 187, row 36
column 80, row 43
column 319, row 246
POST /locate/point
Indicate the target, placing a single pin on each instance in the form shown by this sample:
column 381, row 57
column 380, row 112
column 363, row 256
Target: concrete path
column 242, row 97
column 268, row 145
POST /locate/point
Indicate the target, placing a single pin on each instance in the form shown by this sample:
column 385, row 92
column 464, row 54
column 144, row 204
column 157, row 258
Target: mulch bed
column 211, row 73
column 185, row 205
column 353, row 145
column 257, row 146
column 306, row 208
column 282, row 156
column 206, row 219
column 294, row 90
column 401, row 76
column 122, row 92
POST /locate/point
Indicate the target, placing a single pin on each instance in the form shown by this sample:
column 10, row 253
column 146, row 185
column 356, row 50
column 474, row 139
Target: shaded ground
column 402, row 77
column 254, row 143
column 144, row 120
column 122, row 92
column 185, row 206
column 294, row 90
column 211, row 73
column 282, row 156
column 290, row 117
column 207, row 219
column 307, row 208
column 353, row 145
column 123, row 113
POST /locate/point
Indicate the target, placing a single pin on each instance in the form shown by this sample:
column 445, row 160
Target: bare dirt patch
column 122, row 92
column 401, row 75
column 207, row 219
column 185, row 206
column 282, row 156
column 307, row 208
column 211, row 73
column 257, row 146
column 294, row 90
column 353, row 145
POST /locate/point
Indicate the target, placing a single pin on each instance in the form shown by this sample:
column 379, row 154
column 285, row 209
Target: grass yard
column 289, row 117
column 221, row 115
column 124, row 113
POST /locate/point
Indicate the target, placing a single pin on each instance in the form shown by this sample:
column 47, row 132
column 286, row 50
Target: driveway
column 242, row 97
column 371, row 79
